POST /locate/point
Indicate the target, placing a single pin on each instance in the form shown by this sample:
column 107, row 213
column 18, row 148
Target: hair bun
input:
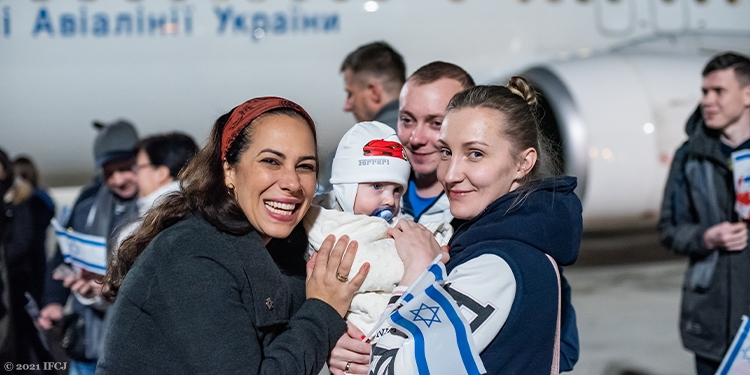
column 519, row 86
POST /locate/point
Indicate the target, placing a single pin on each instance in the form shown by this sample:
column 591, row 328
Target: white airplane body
column 621, row 77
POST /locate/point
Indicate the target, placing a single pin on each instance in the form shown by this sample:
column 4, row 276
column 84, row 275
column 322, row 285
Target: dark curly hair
column 202, row 191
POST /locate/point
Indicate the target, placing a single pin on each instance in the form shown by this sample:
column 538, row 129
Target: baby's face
column 373, row 195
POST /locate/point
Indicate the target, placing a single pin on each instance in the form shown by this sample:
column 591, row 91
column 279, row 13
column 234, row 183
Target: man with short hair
column 422, row 105
column 698, row 218
column 373, row 76
column 99, row 211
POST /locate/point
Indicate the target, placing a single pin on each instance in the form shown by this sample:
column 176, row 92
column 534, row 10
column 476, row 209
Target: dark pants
column 705, row 366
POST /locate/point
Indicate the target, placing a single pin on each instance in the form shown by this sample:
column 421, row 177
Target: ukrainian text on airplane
column 183, row 20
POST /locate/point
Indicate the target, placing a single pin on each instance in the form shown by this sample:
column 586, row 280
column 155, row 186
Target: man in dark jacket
column 373, row 76
column 100, row 211
column 698, row 219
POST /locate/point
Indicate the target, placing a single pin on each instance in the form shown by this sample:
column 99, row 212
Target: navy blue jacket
column 521, row 227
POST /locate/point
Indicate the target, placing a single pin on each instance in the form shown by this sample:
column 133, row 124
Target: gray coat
column 200, row 301
column 699, row 194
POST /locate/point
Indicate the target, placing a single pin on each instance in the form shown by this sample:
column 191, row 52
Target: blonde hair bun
column 519, row 86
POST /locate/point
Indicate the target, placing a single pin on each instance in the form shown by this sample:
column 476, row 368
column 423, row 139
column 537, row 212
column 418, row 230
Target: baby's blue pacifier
column 384, row 212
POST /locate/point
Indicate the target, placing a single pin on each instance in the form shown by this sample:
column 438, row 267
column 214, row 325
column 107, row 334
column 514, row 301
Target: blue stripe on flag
column 88, row 242
column 408, row 297
column 458, row 327
column 419, row 352
column 67, row 258
column 437, row 271
column 742, row 157
column 736, row 350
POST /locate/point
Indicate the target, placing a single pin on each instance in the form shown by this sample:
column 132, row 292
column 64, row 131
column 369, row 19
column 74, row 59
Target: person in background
column 7, row 350
column 42, row 211
column 100, row 213
column 158, row 162
column 24, row 259
column 698, row 219
column 373, row 76
column 25, row 169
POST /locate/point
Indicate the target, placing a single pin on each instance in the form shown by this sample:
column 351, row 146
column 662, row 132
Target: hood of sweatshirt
column 544, row 214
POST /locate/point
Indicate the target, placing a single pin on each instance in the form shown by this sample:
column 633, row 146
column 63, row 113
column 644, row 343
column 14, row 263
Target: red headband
column 245, row 113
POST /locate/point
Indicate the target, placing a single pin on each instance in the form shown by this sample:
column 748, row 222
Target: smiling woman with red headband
column 202, row 294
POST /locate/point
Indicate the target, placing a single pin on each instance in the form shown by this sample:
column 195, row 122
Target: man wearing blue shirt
column 422, row 104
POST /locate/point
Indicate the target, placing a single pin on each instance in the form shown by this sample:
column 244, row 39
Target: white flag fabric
column 741, row 175
column 737, row 359
column 83, row 251
column 442, row 338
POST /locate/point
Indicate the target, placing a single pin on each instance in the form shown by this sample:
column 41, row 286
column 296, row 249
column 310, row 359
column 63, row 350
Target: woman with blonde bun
column 521, row 225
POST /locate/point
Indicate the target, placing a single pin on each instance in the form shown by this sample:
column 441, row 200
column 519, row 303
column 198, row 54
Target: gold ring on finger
column 343, row 279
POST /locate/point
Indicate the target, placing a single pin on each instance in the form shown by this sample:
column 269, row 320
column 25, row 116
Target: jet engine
column 615, row 121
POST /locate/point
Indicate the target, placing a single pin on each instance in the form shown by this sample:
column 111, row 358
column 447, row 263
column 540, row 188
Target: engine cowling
column 617, row 120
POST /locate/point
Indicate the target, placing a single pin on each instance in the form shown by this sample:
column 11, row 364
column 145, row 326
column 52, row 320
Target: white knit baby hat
column 369, row 152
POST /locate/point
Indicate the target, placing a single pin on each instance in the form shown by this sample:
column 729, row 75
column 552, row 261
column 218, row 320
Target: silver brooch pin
column 269, row 303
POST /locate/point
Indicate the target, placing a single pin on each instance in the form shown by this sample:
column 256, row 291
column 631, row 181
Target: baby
column 369, row 175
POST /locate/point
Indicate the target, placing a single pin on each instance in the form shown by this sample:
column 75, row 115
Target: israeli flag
column 737, row 359
column 442, row 338
column 83, row 251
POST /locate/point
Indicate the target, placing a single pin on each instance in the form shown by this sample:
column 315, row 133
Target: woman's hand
column 416, row 247
column 328, row 270
column 350, row 351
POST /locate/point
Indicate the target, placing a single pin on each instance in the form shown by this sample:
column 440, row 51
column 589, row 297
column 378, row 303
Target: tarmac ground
column 626, row 292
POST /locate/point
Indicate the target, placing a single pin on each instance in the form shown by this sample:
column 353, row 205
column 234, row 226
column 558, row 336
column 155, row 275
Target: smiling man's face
column 421, row 113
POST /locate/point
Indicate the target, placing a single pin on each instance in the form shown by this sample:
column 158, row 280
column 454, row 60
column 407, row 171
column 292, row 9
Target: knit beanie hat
column 368, row 152
column 114, row 141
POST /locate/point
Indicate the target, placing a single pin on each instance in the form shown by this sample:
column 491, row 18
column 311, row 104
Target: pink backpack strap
column 556, row 352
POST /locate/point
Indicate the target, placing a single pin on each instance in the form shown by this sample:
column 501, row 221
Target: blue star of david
column 746, row 353
column 418, row 314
